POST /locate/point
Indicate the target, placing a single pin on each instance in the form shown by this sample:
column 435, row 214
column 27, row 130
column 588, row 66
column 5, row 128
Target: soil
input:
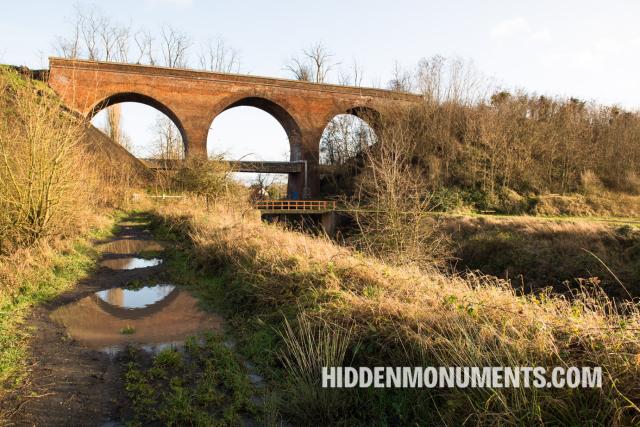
column 69, row 384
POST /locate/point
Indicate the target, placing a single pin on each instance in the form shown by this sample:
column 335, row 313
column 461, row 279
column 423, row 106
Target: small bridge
column 322, row 212
column 295, row 206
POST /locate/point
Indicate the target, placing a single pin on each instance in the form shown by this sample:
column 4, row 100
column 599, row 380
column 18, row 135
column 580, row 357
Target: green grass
column 17, row 80
column 128, row 330
column 255, row 332
column 204, row 386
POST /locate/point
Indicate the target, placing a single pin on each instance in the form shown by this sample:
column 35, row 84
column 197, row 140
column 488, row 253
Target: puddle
column 130, row 263
column 140, row 298
column 131, row 246
column 154, row 317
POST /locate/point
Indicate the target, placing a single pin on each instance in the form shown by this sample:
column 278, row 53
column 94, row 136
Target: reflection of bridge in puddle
column 158, row 316
column 116, row 248
column 131, row 246
column 130, row 263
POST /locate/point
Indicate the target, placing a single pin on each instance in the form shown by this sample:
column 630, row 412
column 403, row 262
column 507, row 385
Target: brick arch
column 120, row 97
column 273, row 108
column 369, row 115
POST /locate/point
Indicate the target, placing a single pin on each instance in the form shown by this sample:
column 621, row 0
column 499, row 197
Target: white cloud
column 519, row 27
column 510, row 27
column 543, row 35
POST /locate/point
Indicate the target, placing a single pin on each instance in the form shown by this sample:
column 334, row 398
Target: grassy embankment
column 53, row 201
column 599, row 204
column 560, row 252
column 358, row 311
column 34, row 276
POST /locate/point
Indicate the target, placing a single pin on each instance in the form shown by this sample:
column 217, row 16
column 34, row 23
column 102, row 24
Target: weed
column 204, row 386
column 128, row 330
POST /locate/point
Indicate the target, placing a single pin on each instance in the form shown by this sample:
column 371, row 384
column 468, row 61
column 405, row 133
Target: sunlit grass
column 404, row 316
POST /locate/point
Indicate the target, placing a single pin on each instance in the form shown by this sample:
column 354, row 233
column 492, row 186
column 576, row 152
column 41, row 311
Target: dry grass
column 308, row 346
column 54, row 172
column 535, row 253
column 56, row 178
column 601, row 203
column 413, row 317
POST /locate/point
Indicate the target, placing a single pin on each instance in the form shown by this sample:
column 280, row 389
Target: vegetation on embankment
column 480, row 146
column 535, row 253
column 403, row 316
column 54, row 193
column 504, row 201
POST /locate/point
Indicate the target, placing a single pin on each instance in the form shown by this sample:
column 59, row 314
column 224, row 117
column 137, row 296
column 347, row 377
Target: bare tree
column 217, row 56
column 175, row 47
column 314, row 66
column 95, row 37
column 321, row 60
column 120, row 45
column 344, row 138
column 352, row 77
column 168, row 141
column 144, row 43
column 442, row 79
column 392, row 198
column 402, row 80
column 70, row 47
column 113, row 127
column 301, row 71
column 89, row 32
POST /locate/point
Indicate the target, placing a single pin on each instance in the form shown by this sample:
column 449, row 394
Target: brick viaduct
column 192, row 99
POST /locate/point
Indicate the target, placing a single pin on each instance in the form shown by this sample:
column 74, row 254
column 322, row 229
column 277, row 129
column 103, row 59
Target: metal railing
column 294, row 205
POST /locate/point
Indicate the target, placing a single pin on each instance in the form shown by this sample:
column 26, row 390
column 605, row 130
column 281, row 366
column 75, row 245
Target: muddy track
column 69, row 384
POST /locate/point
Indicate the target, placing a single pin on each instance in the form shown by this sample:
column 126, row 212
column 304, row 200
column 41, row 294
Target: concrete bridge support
column 329, row 223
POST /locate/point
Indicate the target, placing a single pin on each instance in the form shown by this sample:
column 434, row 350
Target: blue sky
column 587, row 49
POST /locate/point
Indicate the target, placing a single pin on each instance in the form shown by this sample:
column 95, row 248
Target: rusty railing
column 294, row 205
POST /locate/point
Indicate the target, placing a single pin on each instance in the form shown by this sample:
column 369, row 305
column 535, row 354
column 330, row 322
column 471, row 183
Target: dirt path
column 70, row 384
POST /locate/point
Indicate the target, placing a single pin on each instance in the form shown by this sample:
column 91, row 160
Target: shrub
column 44, row 187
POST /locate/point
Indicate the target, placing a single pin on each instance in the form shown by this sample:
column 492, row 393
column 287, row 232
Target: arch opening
column 142, row 125
column 347, row 135
column 255, row 129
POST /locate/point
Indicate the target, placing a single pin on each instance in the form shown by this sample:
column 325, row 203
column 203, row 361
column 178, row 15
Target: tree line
column 470, row 132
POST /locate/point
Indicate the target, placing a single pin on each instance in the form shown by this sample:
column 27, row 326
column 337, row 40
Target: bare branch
column 217, row 56
column 175, row 46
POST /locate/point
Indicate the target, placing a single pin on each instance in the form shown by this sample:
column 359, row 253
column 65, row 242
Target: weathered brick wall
column 192, row 99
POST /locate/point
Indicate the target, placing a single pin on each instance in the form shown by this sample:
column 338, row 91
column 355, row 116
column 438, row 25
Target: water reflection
column 154, row 317
column 140, row 298
column 130, row 263
column 131, row 246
